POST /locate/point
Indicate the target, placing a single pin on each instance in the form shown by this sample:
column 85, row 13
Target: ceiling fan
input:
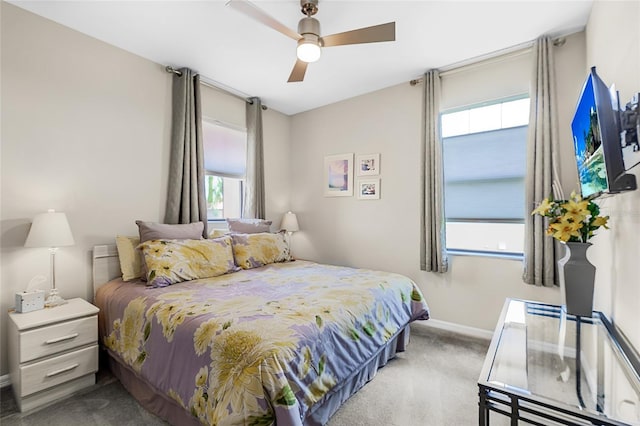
column 308, row 35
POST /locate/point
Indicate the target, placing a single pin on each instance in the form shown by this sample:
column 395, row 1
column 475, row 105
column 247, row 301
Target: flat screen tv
column 596, row 140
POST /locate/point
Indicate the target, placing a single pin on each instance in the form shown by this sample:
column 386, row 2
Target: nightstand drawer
column 54, row 371
column 56, row 338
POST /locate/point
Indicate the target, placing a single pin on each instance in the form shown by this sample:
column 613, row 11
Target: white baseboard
column 458, row 328
column 4, row 381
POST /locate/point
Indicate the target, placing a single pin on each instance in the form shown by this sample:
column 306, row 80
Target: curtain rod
column 496, row 56
column 217, row 86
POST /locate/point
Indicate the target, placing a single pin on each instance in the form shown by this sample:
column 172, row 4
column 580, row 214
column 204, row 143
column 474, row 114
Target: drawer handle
column 62, row 370
column 61, row 339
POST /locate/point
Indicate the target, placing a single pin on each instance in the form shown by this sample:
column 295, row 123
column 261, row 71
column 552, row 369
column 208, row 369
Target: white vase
column 577, row 279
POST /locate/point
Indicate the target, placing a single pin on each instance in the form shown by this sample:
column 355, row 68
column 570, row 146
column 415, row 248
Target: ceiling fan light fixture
column 308, row 48
column 310, row 43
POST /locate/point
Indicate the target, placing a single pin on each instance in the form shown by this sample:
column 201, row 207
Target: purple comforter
column 257, row 346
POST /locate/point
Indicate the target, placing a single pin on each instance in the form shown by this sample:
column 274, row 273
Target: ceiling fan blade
column 259, row 15
column 374, row 34
column 297, row 74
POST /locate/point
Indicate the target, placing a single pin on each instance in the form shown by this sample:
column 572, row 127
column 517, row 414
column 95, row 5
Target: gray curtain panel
column 254, row 200
column 433, row 247
column 541, row 179
column 186, row 202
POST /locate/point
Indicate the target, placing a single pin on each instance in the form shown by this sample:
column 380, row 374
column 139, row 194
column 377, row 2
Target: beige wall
column 85, row 130
column 383, row 234
column 613, row 47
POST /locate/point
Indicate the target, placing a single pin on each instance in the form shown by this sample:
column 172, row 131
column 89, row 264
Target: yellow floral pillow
column 254, row 250
column 173, row 261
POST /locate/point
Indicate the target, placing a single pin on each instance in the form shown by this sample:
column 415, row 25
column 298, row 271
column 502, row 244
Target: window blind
column 225, row 150
column 484, row 175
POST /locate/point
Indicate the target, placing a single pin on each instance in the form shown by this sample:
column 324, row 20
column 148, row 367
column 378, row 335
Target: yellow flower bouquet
column 572, row 220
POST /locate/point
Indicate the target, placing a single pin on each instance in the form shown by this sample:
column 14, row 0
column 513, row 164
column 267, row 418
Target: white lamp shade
column 308, row 51
column 289, row 222
column 50, row 229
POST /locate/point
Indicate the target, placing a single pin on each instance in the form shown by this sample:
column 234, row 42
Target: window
column 225, row 153
column 484, row 151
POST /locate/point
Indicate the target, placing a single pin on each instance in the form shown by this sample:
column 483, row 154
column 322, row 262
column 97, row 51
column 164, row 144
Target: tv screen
column 596, row 141
column 587, row 142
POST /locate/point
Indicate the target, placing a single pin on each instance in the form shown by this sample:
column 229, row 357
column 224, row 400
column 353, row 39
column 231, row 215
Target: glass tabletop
column 547, row 354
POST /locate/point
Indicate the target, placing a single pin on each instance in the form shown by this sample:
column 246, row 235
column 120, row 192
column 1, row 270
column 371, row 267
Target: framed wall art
column 368, row 164
column 338, row 175
column 368, row 189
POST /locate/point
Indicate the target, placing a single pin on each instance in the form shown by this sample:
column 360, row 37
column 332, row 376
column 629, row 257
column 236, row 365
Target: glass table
column 546, row 367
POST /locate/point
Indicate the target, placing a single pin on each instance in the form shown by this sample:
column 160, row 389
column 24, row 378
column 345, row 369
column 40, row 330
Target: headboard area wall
column 106, row 265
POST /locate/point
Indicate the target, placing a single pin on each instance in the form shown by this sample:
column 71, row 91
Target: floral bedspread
column 259, row 346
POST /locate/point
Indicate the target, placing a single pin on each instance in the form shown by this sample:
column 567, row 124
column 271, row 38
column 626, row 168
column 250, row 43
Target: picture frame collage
column 339, row 176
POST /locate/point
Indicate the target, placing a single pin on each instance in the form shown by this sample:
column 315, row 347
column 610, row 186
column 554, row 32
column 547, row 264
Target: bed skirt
column 166, row 408
column 157, row 403
column 322, row 412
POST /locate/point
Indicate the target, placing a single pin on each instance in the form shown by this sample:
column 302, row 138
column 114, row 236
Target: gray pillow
column 248, row 226
column 164, row 231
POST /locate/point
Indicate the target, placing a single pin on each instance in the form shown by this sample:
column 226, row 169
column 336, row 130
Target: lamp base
column 289, row 235
column 54, row 299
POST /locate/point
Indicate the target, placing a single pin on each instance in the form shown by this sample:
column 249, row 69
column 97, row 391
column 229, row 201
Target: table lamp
column 290, row 225
column 51, row 230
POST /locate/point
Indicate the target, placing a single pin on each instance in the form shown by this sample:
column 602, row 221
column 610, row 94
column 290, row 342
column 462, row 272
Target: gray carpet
column 433, row 383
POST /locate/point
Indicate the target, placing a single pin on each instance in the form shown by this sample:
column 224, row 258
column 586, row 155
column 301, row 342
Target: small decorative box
column 27, row 301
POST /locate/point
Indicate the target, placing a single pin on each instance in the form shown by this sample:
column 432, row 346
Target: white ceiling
column 239, row 53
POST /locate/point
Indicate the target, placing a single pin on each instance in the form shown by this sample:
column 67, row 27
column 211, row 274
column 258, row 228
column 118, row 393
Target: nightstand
column 53, row 352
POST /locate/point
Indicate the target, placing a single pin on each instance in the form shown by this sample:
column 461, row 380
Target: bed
column 286, row 343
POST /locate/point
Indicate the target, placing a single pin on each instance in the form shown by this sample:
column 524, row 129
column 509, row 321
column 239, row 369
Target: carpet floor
column 433, row 383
